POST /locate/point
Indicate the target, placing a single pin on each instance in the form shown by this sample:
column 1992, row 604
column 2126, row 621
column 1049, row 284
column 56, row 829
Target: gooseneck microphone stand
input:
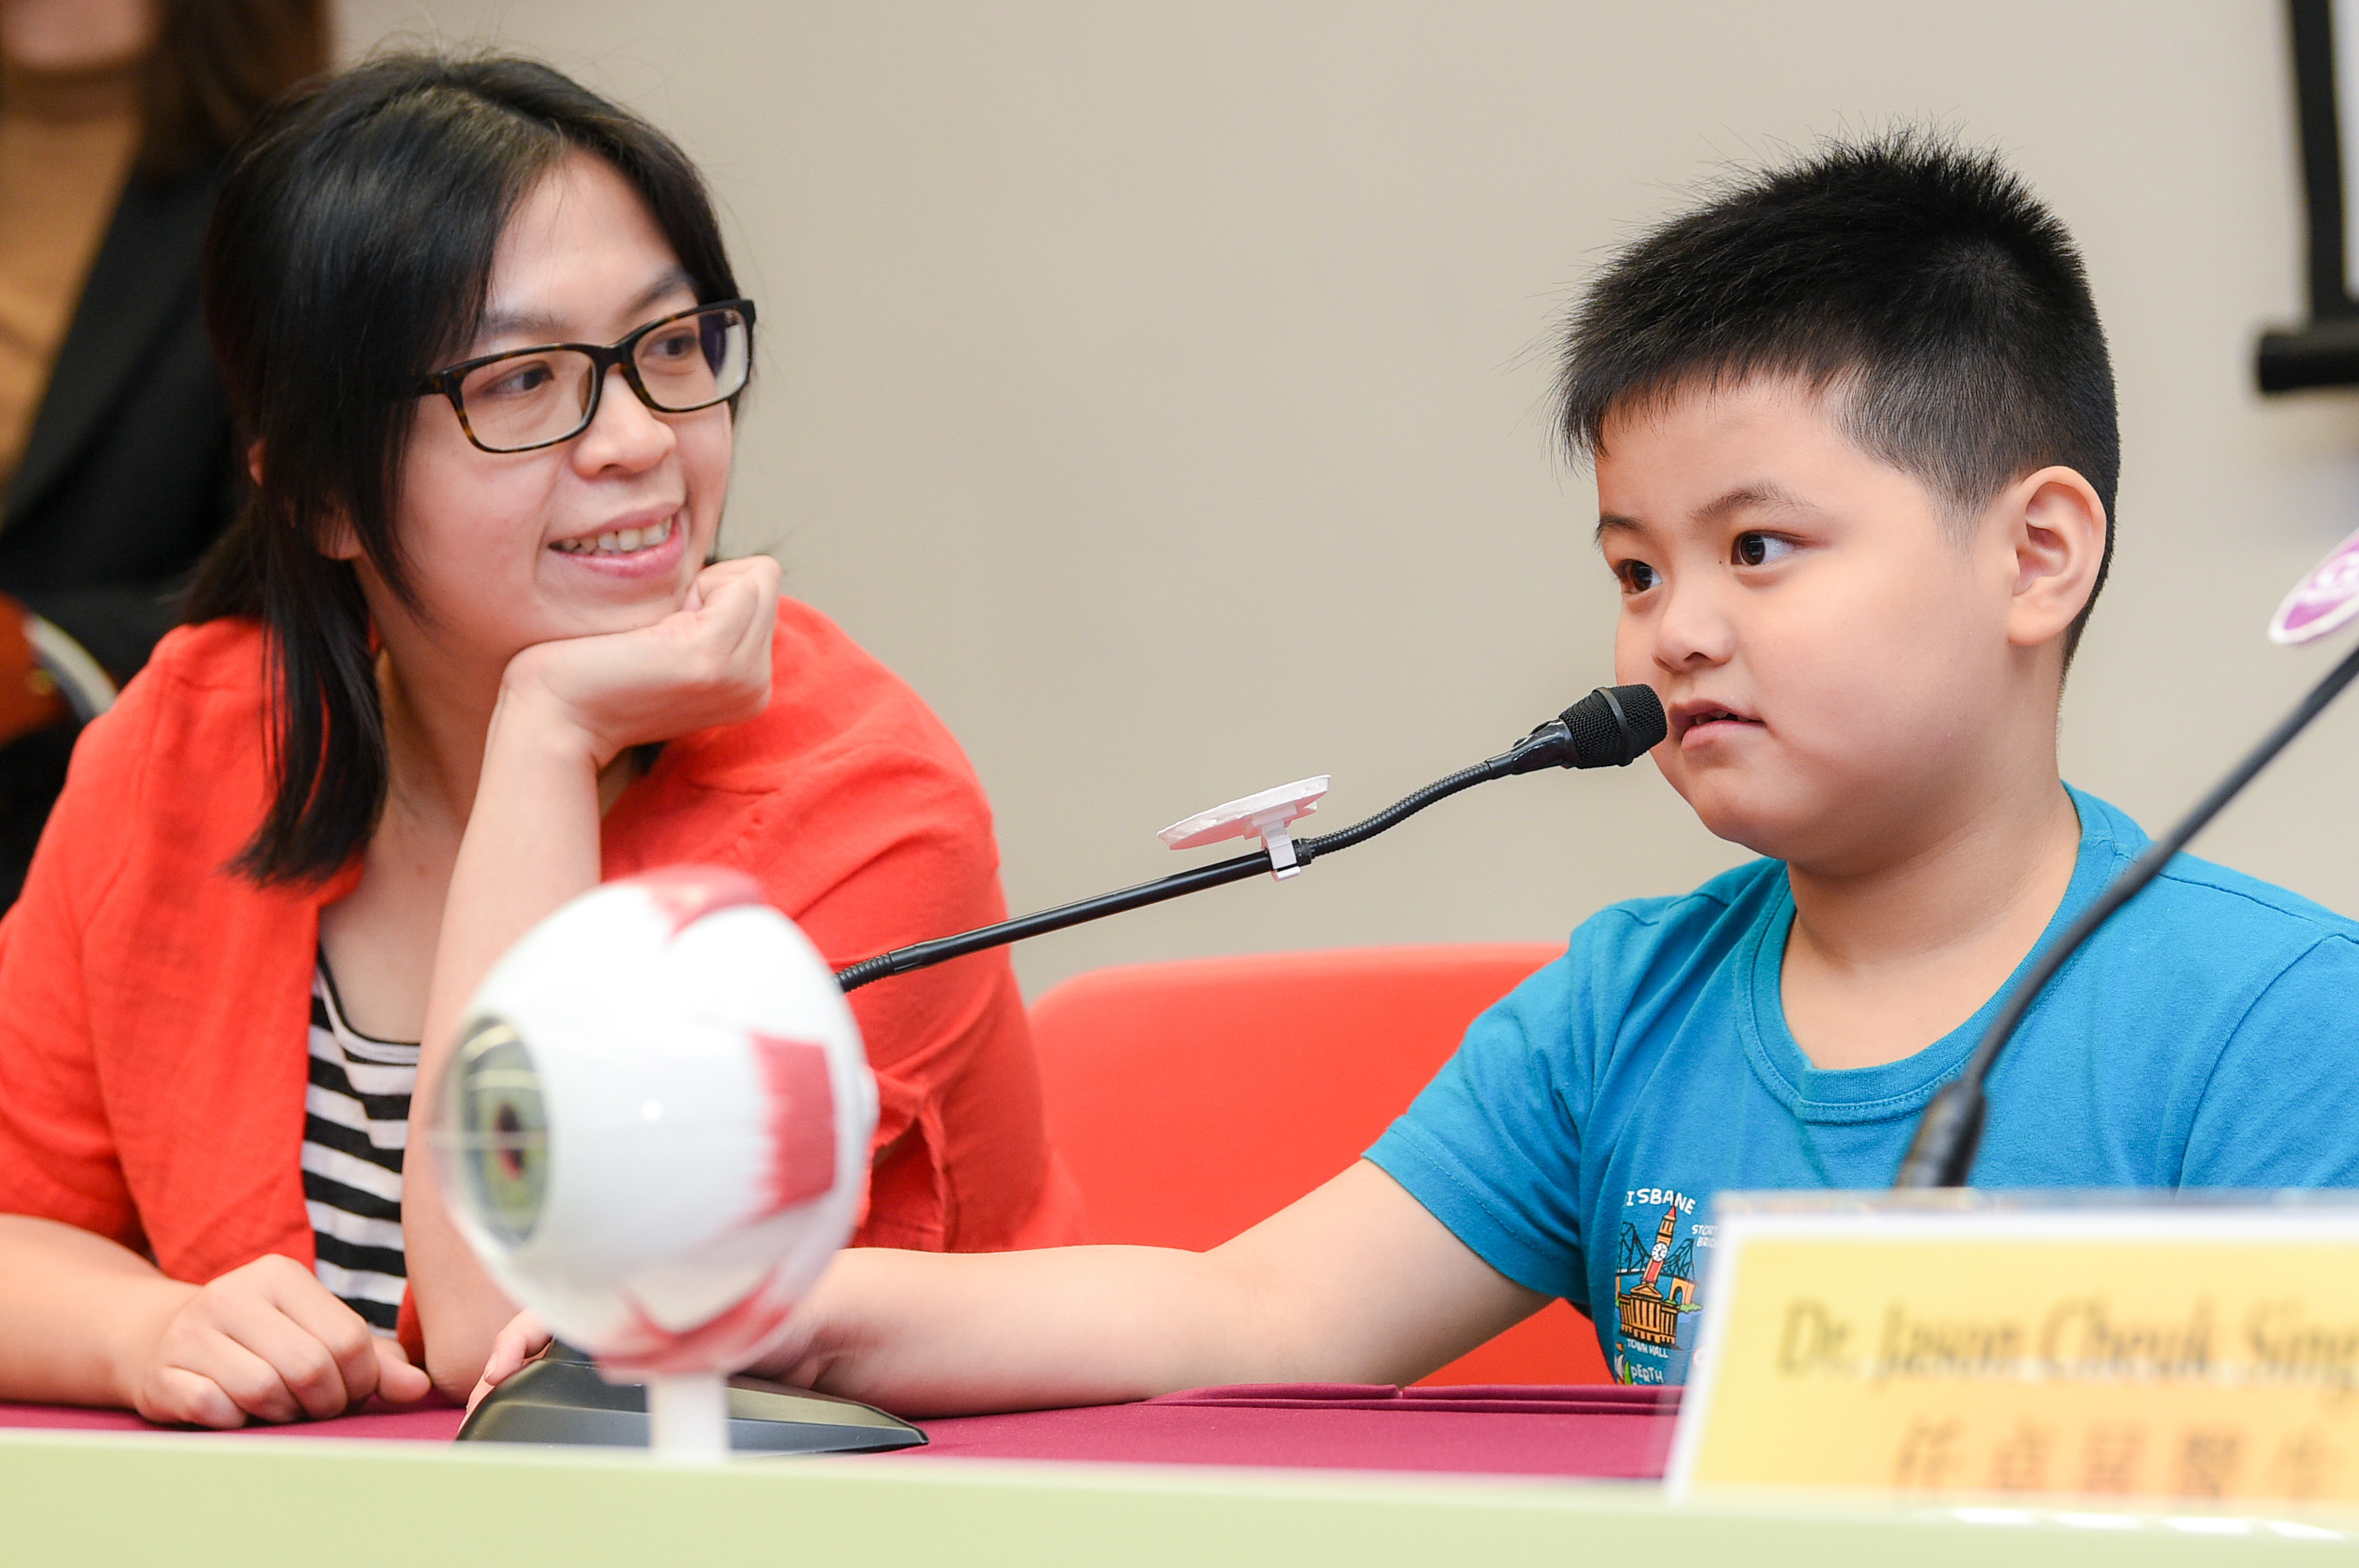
column 1611, row 727
column 1942, row 1153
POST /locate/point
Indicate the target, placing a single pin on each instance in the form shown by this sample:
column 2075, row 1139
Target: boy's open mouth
column 1690, row 716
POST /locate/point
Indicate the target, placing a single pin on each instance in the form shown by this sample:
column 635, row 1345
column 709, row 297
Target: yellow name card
column 1950, row 1344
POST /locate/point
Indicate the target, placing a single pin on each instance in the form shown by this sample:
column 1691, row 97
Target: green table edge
column 174, row 1500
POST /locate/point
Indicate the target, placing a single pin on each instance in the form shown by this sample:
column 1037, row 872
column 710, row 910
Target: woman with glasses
column 469, row 651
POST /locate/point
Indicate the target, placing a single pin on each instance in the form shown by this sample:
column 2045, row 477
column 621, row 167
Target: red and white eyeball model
column 655, row 1133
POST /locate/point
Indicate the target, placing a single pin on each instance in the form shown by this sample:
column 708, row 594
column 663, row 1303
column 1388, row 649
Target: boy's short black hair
column 1919, row 282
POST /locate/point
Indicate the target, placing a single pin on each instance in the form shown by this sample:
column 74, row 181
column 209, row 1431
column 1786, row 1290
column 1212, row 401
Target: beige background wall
column 1160, row 388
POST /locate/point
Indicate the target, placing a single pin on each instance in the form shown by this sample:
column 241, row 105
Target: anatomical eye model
column 655, row 1133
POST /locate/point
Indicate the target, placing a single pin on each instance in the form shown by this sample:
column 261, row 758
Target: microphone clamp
column 1268, row 816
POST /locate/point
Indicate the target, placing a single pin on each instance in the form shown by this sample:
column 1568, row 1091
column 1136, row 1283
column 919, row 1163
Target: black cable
column 1943, row 1152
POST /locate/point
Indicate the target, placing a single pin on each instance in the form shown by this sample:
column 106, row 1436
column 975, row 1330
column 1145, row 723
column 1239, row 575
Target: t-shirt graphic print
column 1656, row 1268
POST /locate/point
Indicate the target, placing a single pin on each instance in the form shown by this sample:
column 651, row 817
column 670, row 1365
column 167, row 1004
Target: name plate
column 2083, row 1345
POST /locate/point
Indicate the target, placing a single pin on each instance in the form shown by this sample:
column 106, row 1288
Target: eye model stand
column 560, row 1397
column 688, row 1416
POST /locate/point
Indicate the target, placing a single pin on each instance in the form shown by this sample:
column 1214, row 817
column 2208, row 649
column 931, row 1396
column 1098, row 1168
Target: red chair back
column 1192, row 1100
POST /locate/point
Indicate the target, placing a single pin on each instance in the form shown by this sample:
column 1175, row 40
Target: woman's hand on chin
column 707, row 663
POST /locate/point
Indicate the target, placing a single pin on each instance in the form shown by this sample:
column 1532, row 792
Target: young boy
column 1853, row 425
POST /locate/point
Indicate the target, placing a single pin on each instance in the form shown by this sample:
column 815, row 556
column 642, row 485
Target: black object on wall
column 2325, row 353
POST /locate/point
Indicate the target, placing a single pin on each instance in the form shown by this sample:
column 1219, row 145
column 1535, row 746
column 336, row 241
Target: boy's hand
column 267, row 1342
column 525, row 1337
column 706, row 663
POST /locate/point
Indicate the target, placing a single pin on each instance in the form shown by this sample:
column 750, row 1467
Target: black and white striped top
column 355, row 1129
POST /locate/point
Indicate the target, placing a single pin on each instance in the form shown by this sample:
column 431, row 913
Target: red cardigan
column 154, row 1007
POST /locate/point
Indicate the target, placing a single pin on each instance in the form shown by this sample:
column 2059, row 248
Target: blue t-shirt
column 2204, row 1038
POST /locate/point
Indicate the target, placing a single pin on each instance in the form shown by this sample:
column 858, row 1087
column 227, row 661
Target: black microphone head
column 1615, row 725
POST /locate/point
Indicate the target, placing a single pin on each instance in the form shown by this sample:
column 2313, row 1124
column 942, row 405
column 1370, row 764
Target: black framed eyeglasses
column 522, row 398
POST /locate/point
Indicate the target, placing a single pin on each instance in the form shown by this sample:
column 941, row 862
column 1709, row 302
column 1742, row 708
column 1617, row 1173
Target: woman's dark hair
column 215, row 64
column 1919, row 282
column 349, row 253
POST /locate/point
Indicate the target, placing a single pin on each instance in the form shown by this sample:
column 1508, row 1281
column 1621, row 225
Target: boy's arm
column 1355, row 1283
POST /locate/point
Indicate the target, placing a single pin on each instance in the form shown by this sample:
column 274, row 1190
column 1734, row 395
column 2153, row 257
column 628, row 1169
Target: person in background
column 114, row 444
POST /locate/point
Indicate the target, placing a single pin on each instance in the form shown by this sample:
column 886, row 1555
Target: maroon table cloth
column 438, row 1422
column 1606, row 1431
column 1623, row 1434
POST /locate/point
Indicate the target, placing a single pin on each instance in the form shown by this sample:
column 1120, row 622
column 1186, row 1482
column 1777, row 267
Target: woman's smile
column 630, row 549
column 628, row 536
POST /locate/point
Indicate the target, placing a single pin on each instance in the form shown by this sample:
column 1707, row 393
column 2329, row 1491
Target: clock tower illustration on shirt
column 1651, row 1310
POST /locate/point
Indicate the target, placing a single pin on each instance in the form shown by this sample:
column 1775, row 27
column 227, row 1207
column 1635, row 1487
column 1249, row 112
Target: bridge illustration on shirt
column 1650, row 1311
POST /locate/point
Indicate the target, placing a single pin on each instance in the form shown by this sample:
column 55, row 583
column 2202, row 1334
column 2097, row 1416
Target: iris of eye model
column 502, row 1133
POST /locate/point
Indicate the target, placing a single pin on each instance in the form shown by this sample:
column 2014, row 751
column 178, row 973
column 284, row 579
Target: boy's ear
column 2054, row 526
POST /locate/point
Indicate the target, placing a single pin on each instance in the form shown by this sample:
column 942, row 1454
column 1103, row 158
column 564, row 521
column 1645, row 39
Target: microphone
column 1942, row 1154
column 1611, row 727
